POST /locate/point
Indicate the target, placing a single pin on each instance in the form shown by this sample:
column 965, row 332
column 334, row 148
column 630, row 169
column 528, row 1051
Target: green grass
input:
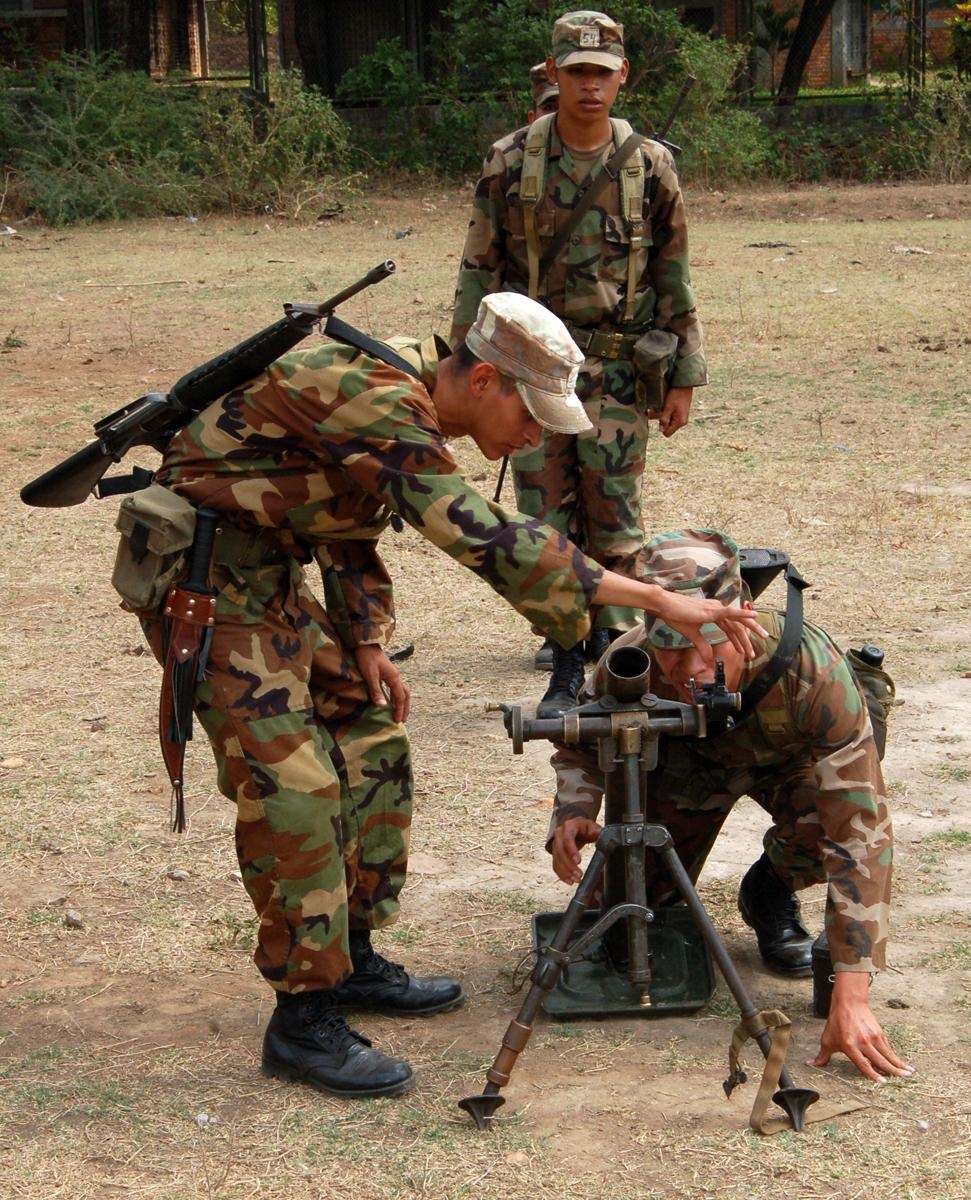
column 951, row 839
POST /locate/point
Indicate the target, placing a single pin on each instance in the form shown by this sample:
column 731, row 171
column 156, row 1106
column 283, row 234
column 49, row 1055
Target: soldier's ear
column 551, row 69
column 624, row 71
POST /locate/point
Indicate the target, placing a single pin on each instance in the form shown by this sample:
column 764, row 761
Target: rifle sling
column 611, row 169
column 340, row 331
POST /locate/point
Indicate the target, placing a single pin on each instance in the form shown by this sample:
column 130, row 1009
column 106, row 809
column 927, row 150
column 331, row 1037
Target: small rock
column 52, row 849
column 893, row 1002
column 73, row 919
column 235, row 876
column 177, row 874
column 923, row 1125
column 11, row 764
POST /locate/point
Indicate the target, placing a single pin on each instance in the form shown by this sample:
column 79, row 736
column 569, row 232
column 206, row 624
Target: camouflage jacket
column 587, row 283
column 814, row 713
column 326, row 444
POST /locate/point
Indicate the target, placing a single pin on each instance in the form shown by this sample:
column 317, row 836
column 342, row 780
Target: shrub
column 91, row 142
column 280, row 158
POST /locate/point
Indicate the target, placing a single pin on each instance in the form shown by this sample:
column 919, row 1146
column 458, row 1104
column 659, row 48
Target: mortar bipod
column 631, row 719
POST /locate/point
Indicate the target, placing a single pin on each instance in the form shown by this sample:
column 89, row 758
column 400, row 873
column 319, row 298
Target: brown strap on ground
column 780, row 1028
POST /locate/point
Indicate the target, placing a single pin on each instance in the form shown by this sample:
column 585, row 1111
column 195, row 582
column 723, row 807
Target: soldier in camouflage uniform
column 308, row 462
column 546, row 95
column 589, row 486
column 806, row 754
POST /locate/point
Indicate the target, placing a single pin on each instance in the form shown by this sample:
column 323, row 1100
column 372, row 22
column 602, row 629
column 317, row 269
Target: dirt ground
column 836, row 427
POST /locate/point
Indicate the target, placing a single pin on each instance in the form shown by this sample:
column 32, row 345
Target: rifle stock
column 70, row 482
column 154, row 419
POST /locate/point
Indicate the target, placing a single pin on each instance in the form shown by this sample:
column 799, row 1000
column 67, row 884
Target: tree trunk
column 811, row 21
column 310, row 34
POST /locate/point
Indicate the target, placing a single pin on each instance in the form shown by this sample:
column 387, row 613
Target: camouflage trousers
column 589, row 486
column 693, row 796
column 321, row 778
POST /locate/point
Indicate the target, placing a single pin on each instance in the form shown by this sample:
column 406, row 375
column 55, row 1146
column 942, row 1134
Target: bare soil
column 835, row 427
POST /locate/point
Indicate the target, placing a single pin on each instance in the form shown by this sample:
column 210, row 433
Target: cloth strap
column 780, row 1028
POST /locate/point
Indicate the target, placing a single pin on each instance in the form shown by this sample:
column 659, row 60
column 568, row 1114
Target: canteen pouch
column 653, row 357
column 878, row 690
column 157, row 527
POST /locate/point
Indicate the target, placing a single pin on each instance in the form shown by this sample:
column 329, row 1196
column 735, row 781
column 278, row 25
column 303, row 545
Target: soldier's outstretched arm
column 682, row 613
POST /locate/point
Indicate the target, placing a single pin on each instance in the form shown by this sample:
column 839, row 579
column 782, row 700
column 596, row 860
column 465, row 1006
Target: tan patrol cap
column 531, row 345
column 543, row 87
column 702, row 563
column 588, row 37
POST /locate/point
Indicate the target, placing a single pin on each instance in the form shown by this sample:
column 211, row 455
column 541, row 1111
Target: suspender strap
column 531, row 182
column 595, row 188
column 340, row 331
column 786, row 650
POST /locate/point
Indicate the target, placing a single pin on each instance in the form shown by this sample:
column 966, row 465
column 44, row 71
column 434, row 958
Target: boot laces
column 368, row 961
column 327, row 1023
column 567, row 673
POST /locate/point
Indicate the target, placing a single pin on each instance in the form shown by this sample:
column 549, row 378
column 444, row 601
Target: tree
column 812, row 19
column 775, row 34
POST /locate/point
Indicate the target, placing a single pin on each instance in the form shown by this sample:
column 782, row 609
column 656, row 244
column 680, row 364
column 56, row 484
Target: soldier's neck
column 581, row 134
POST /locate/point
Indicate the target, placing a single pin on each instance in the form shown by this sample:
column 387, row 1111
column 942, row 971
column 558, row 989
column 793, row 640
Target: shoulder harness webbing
column 620, row 165
column 786, row 650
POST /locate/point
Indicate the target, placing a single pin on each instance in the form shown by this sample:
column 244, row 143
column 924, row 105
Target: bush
column 91, row 142
column 281, row 158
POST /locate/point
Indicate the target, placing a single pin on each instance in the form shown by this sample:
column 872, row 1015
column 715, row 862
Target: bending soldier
column 616, row 272
column 805, row 752
column 308, row 462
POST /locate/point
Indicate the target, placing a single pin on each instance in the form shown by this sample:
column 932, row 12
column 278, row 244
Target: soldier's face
column 679, row 667
column 587, row 91
column 507, row 424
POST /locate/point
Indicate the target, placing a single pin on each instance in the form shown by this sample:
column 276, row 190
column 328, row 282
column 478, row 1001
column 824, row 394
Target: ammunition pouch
column 157, row 527
column 879, row 692
column 653, row 354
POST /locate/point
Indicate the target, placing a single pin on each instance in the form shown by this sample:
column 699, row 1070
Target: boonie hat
column 542, row 86
column 533, row 347
column 588, row 37
column 702, row 563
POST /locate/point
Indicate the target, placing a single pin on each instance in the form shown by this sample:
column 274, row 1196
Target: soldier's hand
column 687, row 615
column 853, row 1030
column 383, row 680
column 674, row 415
column 568, row 839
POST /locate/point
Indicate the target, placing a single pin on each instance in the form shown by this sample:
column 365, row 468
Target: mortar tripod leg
column 545, row 977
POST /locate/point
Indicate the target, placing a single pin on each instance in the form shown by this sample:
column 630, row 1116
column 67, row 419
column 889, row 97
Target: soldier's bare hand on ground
column 384, row 681
column 853, row 1030
column 569, row 838
column 674, row 415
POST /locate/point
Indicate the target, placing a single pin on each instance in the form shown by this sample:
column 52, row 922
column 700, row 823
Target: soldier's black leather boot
column 565, row 682
column 308, row 1041
column 772, row 910
column 378, row 985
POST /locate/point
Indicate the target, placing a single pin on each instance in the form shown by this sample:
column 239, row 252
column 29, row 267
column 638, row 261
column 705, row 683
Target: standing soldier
column 546, row 95
column 578, row 212
column 308, row 462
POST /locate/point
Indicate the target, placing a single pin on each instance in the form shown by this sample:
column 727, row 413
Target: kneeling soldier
column 805, row 752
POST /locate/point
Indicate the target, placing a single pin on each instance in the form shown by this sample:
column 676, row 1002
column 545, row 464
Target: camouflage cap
column 703, row 563
column 533, row 347
column 588, row 37
column 542, row 86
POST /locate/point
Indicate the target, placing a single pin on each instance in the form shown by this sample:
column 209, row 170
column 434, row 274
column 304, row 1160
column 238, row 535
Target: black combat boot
column 543, row 658
column 772, row 910
column 565, row 682
column 308, row 1041
column 378, row 985
column 598, row 643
